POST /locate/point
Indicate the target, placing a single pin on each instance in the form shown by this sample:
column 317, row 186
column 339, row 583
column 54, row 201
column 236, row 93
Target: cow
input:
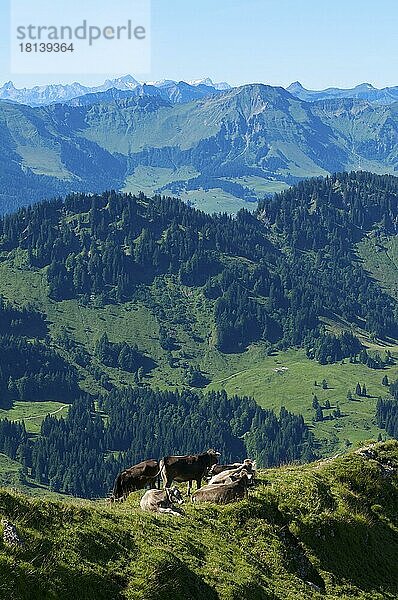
column 232, row 474
column 216, row 469
column 187, row 468
column 162, row 501
column 135, row 478
column 223, row 493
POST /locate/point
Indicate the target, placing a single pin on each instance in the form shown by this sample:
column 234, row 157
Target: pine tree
column 315, row 402
column 337, row 412
column 358, row 390
column 102, row 348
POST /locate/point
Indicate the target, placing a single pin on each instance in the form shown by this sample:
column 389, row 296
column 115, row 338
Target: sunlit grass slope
column 325, row 530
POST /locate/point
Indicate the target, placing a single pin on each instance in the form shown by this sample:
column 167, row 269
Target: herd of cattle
column 225, row 483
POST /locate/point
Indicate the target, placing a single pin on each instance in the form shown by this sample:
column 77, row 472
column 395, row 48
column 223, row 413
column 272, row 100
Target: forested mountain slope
column 134, row 294
column 276, row 269
column 221, row 150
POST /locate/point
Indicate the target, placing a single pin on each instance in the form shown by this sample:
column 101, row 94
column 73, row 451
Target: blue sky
column 317, row 42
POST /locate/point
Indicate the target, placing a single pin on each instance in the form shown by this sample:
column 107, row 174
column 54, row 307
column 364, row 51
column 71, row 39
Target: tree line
column 82, row 453
column 271, row 274
column 30, row 369
column 387, row 410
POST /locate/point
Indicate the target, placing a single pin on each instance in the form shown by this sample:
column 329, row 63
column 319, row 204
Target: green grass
column 149, row 179
column 286, row 379
column 261, row 185
column 380, row 258
column 33, row 413
column 44, row 161
column 214, row 200
column 13, row 477
column 9, row 471
column 331, row 524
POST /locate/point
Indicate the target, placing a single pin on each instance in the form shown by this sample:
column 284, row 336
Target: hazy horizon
column 277, row 43
column 95, row 81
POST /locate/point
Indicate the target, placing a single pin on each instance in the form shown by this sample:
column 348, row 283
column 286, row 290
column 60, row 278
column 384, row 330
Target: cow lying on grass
column 223, row 493
column 230, row 475
column 216, row 469
column 193, row 467
column 162, row 501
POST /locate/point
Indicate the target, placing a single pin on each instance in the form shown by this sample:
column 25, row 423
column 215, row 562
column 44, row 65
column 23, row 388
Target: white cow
column 230, row 475
column 162, row 501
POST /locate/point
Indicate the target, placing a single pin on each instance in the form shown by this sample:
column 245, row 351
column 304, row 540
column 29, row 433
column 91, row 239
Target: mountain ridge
column 300, row 534
column 47, row 94
column 238, row 144
column 362, row 91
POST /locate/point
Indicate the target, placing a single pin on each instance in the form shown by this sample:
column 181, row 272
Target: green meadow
column 286, row 378
column 323, row 530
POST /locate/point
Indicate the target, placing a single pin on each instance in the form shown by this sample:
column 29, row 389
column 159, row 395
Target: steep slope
column 255, row 129
column 326, row 530
column 235, row 145
column 188, row 300
column 40, row 159
column 371, row 133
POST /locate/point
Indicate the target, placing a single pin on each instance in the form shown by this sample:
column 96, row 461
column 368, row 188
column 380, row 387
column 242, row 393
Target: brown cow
column 187, row 468
column 135, row 478
column 223, row 493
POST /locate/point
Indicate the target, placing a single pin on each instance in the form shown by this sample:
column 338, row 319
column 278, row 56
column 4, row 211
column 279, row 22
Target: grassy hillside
column 9, row 471
column 213, row 302
column 285, row 378
column 380, row 257
column 33, row 413
column 288, row 379
column 13, row 477
column 325, row 530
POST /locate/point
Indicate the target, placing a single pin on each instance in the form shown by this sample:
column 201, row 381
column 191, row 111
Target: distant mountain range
column 182, row 91
column 218, row 149
column 48, row 94
column 173, row 92
column 364, row 91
